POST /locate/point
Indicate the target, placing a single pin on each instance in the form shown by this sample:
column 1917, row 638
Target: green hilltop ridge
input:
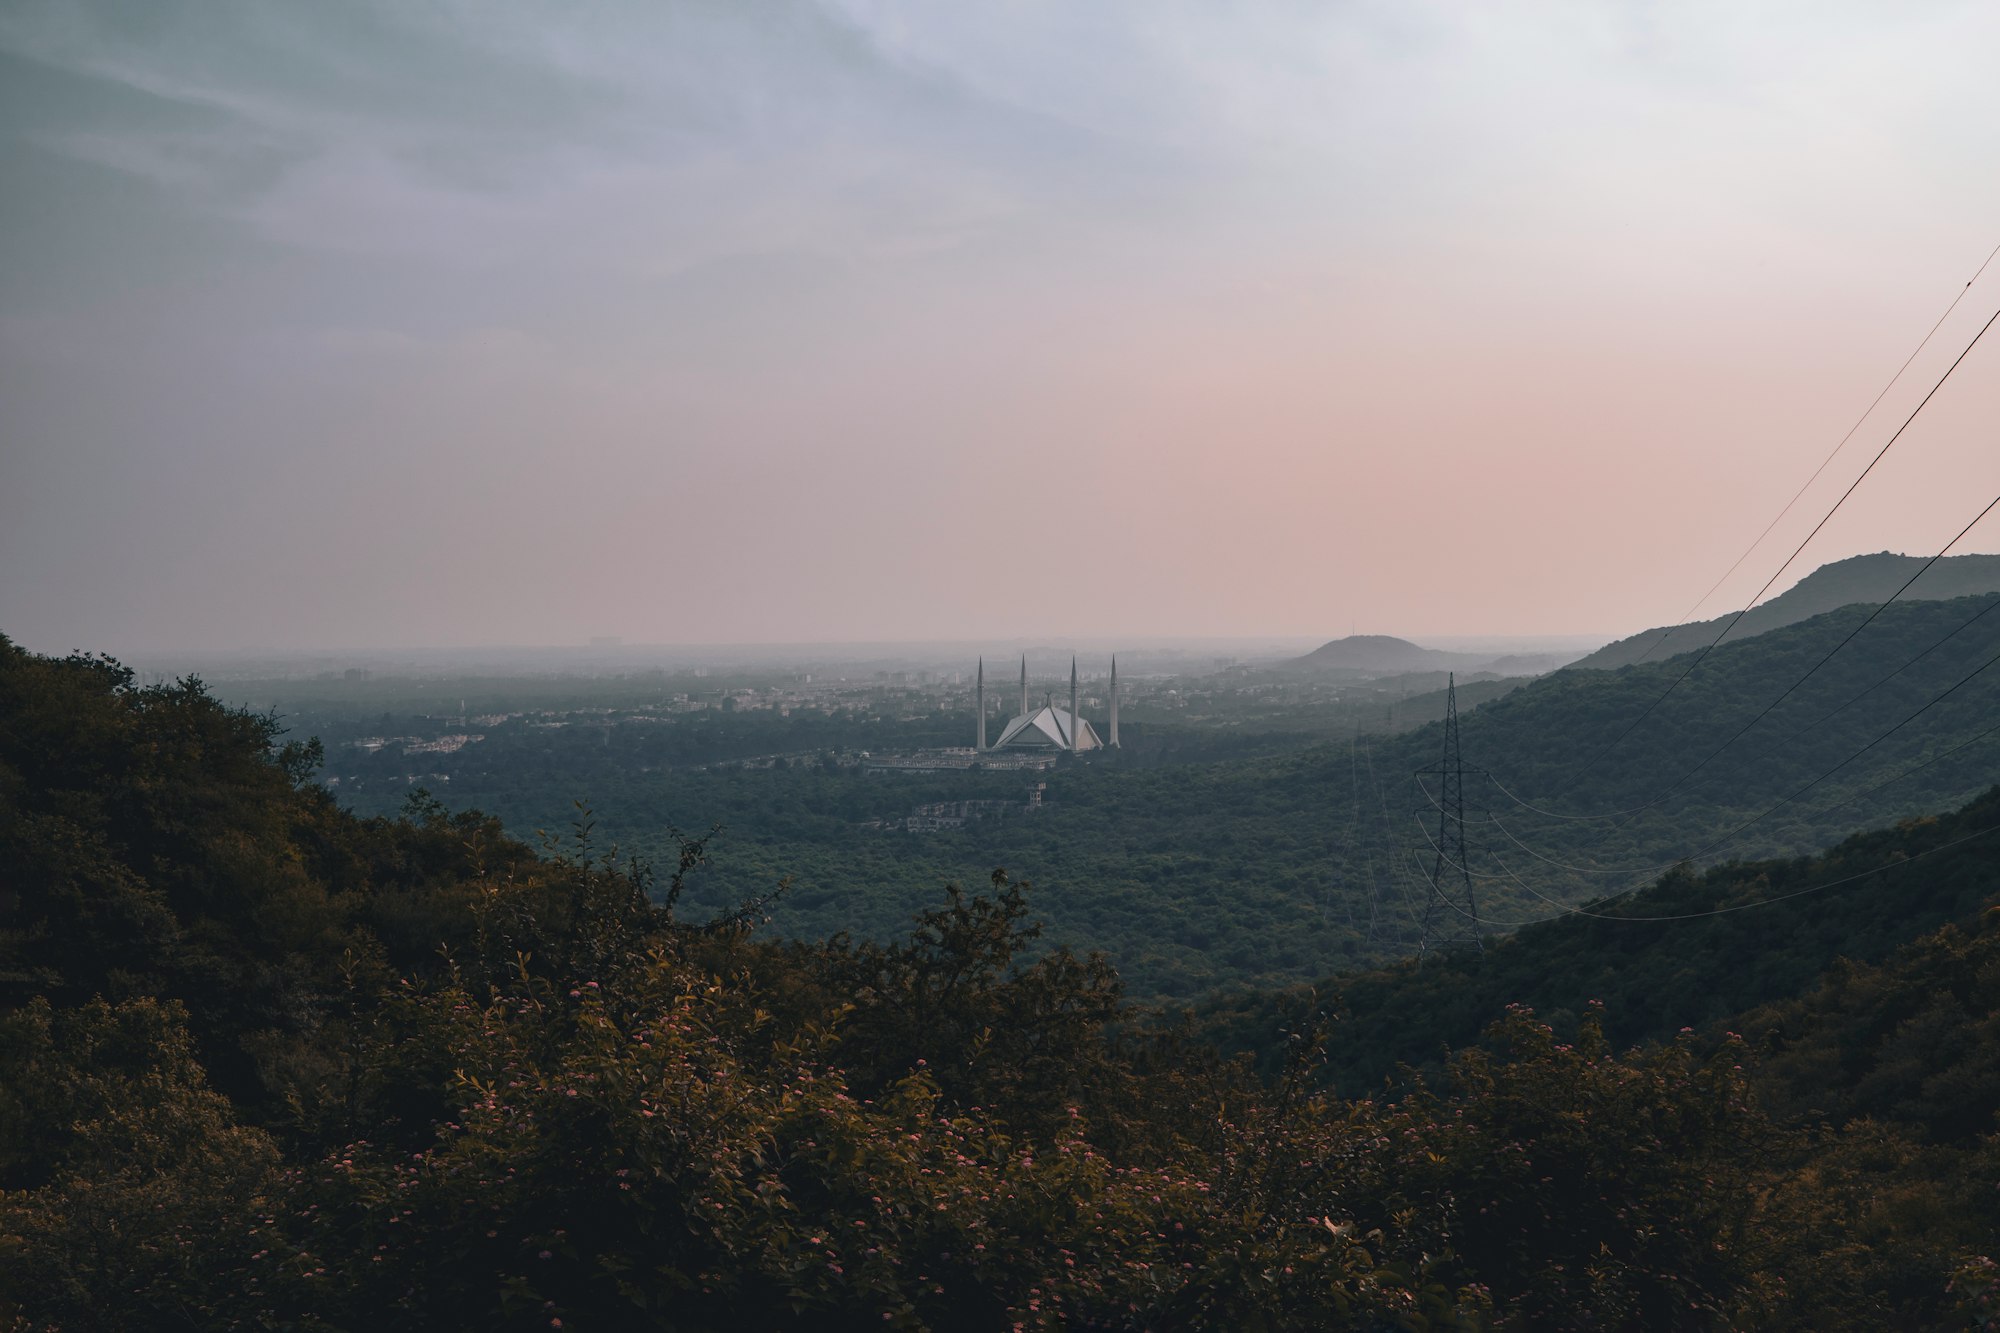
column 1861, row 578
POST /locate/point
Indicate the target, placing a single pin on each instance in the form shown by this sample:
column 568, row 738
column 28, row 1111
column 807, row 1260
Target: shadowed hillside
column 1744, row 942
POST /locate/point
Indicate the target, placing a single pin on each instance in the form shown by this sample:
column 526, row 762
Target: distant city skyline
column 379, row 328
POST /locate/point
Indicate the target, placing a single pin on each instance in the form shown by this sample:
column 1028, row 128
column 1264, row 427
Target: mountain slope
column 1863, row 578
column 1655, row 977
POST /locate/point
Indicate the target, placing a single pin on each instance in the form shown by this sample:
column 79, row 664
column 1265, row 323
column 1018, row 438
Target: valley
column 1256, row 828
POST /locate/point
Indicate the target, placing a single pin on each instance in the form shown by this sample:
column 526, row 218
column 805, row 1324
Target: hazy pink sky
column 372, row 325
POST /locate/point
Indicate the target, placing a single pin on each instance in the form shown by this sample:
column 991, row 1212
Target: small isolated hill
column 1379, row 655
column 1370, row 656
column 1863, row 578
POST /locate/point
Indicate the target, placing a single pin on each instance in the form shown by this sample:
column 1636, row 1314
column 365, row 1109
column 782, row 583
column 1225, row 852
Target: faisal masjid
column 1047, row 728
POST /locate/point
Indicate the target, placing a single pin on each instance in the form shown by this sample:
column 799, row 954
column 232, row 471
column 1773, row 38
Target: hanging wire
column 1702, row 655
column 1800, row 493
column 1790, row 689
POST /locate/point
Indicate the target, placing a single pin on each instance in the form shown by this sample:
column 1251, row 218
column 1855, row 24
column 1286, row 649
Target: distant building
column 1046, row 728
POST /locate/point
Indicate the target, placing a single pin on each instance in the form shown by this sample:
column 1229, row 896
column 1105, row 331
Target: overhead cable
column 1702, row 655
column 1800, row 493
column 1787, row 692
column 1773, row 809
column 1564, row 909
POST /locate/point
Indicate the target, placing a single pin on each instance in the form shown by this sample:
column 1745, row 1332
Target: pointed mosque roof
column 1047, row 728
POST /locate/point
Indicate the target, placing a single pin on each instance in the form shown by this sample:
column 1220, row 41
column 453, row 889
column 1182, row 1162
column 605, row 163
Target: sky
column 392, row 323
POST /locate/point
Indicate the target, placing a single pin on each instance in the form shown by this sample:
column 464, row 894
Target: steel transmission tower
column 1451, row 916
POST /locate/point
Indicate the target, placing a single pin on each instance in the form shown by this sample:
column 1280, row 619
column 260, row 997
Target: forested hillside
column 264, row 1064
column 1867, row 579
column 1689, row 951
column 1281, row 868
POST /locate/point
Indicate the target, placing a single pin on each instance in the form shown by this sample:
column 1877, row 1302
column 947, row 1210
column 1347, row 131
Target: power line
column 1668, row 865
column 1814, row 669
column 1992, row 604
column 1936, row 758
column 1773, row 809
column 1865, row 414
column 1452, row 821
column 1824, row 520
column 1962, row 626
column 1811, row 671
column 1936, row 699
column 1564, row 909
column 1508, row 833
column 1934, row 702
column 1443, row 855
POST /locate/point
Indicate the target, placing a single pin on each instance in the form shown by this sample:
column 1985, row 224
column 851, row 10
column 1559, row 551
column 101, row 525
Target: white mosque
column 1048, row 727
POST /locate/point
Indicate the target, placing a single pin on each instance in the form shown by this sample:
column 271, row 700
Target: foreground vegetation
column 265, row 1064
